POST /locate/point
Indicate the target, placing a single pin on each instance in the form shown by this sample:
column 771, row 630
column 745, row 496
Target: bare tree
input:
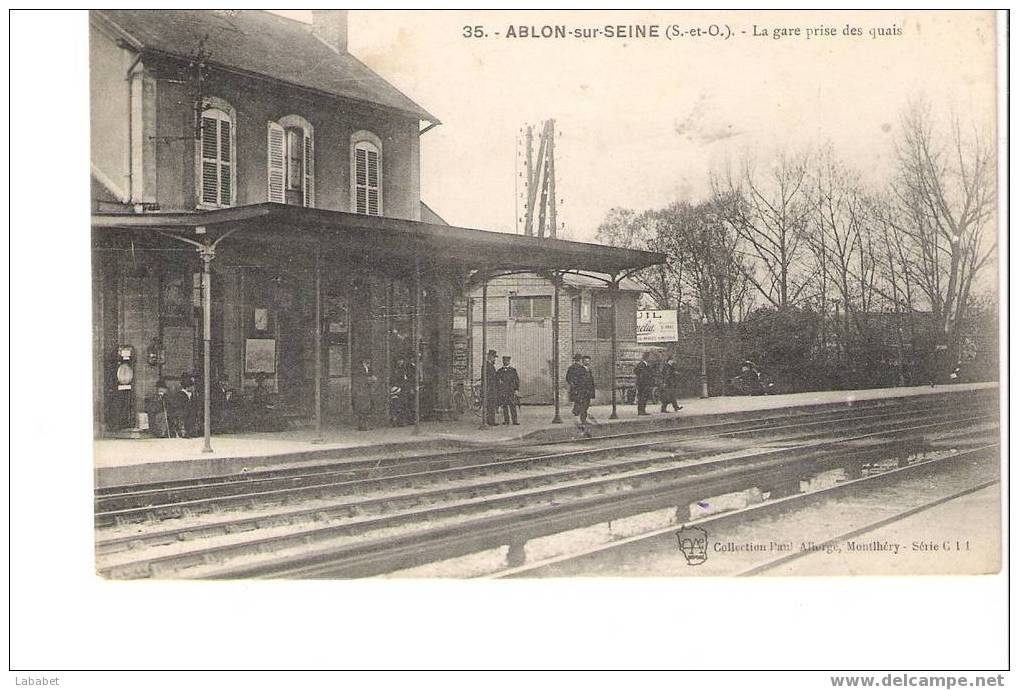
column 624, row 228
column 769, row 213
column 944, row 196
column 842, row 246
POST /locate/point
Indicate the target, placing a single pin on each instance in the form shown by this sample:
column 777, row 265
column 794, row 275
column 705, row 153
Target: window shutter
column 309, row 171
column 276, row 162
column 225, row 144
column 361, row 179
column 373, row 183
column 210, row 172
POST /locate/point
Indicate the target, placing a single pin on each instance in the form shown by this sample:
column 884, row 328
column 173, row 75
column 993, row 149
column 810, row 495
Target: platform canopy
column 384, row 237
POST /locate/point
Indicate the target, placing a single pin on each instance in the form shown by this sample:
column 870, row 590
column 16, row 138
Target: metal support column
column 207, row 253
column 556, row 278
column 484, row 350
column 612, row 364
column 417, row 345
column 318, row 345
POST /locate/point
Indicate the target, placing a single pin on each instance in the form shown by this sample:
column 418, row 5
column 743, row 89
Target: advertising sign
column 657, row 326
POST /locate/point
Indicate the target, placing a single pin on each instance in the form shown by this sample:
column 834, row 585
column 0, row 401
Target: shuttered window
column 367, row 179
column 291, row 162
column 216, row 165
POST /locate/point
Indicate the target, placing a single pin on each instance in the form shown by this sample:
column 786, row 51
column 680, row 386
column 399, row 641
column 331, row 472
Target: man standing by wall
column 507, row 383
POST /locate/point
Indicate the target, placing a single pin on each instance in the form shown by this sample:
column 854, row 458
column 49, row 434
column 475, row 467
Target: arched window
column 366, row 173
column 216, row 150
column 291, row 158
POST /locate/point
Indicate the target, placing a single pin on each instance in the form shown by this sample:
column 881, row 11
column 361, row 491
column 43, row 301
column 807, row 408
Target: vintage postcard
column 544, row 294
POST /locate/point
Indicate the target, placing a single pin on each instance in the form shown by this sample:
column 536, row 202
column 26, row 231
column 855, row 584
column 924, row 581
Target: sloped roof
column 430, row 216
column 262, row 43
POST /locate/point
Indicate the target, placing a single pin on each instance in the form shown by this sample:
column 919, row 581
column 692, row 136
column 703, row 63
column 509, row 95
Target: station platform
column 132, row 461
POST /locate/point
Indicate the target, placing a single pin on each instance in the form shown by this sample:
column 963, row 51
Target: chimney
column 331, row 27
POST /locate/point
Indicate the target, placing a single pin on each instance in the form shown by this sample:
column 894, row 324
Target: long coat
column 670, row 378
column 489, row 383
column 572, row 375
column 507, row 383
column 583, row 388
column 191, row 413
column 645, row 375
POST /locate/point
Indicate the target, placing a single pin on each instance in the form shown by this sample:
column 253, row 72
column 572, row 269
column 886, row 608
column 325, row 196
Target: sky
column 642, row 122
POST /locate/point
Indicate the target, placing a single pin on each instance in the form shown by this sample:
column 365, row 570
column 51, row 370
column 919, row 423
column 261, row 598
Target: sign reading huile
column 657, row 326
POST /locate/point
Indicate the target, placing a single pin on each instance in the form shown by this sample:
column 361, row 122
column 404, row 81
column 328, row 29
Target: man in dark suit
column 189, row 407
column 584, row 391
column 645, row 383
column 488, row 383
column 572, row 375
column 507, row 383
column 669, row 385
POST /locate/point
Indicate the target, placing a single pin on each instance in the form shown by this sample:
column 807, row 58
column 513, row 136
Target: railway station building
column 257, row 220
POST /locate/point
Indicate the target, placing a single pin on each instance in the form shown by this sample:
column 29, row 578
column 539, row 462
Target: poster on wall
column 260, row 356
column 657, row 326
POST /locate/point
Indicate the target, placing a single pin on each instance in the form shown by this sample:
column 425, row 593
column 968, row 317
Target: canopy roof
column 392, row 237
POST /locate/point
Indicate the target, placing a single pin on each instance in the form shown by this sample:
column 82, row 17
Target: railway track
column 580, row 560
column 177, row 499
column 358, row 525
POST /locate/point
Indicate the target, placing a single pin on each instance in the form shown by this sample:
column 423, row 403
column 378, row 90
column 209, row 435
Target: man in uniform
column 488, row 382
column 572, row 375
column 645, row 383
column 507, row 383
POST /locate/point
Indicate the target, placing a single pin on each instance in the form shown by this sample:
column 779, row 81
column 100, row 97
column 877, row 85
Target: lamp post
column 704, row 355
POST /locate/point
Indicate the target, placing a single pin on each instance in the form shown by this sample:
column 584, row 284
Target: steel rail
column 655, row 479
column 114, row 510
column 326, row 490
column 780, row 506
column 681, row 424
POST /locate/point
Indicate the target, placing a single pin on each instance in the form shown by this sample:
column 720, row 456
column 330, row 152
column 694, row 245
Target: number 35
column 474, row 31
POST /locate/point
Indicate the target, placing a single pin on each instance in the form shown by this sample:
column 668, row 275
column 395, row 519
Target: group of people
column 178, row 414
column 500, row 388
column 667, row 382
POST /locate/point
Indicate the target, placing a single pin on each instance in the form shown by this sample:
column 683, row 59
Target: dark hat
column 586, row 357
column 491, row 353
column 506, row 358
column 576, row 357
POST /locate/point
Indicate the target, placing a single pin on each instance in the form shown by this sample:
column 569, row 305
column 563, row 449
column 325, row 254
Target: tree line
column 800, row 262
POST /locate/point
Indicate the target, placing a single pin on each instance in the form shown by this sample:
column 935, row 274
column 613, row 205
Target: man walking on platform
column 669, row 385
column 488, row 382
column 572, row 375
column 584, row 392
column 645, row 383
column 507, row 383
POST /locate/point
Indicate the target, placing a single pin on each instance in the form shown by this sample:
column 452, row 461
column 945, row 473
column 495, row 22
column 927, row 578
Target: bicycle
column 461, row 401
